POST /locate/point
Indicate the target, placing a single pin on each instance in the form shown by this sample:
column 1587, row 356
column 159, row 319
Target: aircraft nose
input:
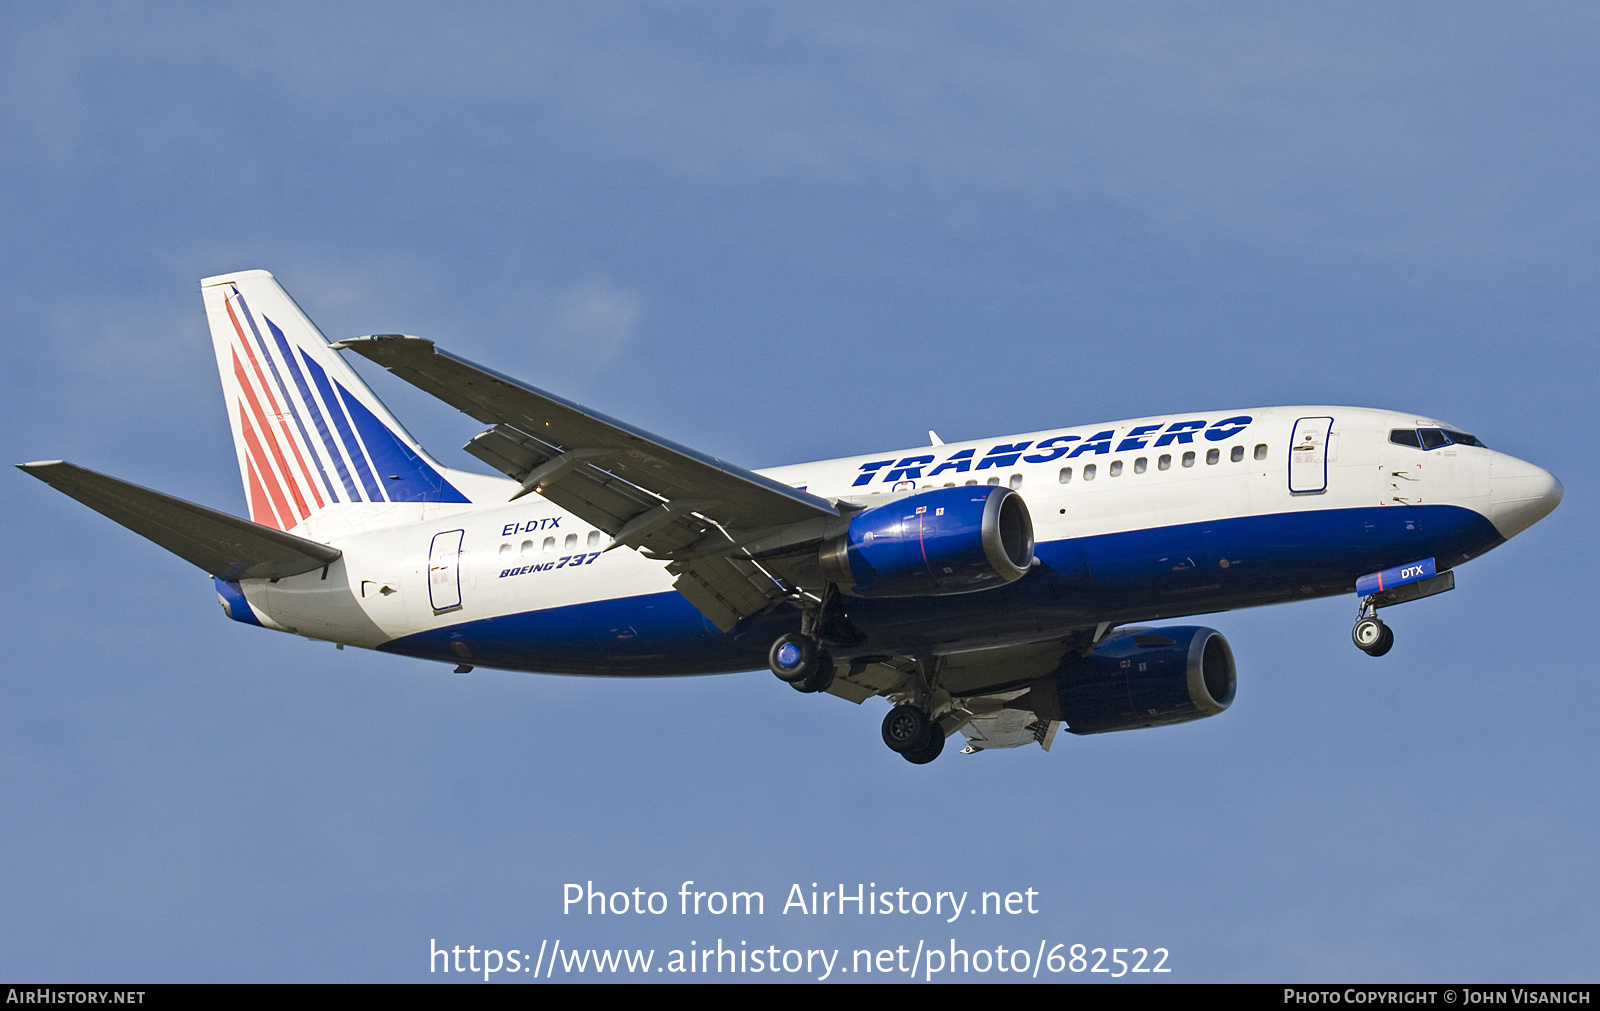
column 1520, row 494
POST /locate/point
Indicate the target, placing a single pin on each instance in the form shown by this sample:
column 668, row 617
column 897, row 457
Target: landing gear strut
column 1371, row 635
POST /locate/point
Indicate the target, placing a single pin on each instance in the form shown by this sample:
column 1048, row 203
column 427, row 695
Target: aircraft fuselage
column 1135, row 521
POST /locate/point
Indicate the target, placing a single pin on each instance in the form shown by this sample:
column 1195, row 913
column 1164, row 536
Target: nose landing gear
column 1372, row 636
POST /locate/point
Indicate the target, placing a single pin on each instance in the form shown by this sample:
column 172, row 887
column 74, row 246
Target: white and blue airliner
column 999, row 588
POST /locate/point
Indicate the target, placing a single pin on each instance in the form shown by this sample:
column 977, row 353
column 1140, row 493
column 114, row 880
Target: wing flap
column 223, row 545
column 568, row 479
column 725, row 589
column 985, row 686
column 859, row 683
column 1009, row 728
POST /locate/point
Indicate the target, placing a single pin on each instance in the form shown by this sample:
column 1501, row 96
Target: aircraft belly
column 653, row 634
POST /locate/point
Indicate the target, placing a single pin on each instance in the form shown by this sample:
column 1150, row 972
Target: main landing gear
column 1371, row 635
column 800, row 661
column 909, row 730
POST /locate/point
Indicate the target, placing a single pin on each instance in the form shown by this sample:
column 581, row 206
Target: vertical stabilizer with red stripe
column 310, row 435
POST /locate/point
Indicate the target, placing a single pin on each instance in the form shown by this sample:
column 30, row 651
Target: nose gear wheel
column 1372, row 636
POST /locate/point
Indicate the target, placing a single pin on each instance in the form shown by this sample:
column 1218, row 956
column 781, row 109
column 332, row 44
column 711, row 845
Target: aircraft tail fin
column 308, row 432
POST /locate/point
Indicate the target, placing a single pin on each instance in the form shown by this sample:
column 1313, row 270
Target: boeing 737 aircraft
column 984, row 587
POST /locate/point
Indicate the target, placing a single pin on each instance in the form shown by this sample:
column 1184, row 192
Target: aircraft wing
column 223, row 545
column 644, row 491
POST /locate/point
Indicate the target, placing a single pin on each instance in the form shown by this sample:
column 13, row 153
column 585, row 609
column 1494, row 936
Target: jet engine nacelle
column 1146, row 677
column 948, row 540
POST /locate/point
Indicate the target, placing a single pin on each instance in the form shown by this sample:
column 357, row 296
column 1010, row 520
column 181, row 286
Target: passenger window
column 1236, row 454
column 526, row 549
column 971, row 482
column 1116, row 468
column 1066, row 475
column 1188, row 459
column 1405, row 437
column 1016, row 480
column 572, row 542
column 1213, row 455
column 594, row 539
column 1261, row 451
column 1088, row 472
column 1140, row 465
column 1165, row 463
column 949, row 484
column 549, row 545
column 994, row 480
column 505, row 551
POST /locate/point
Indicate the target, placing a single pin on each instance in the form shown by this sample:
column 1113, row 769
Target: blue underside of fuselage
column 1136, row 576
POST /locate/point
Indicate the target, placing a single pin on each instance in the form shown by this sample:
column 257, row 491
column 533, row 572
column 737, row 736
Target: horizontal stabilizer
column 225, row 546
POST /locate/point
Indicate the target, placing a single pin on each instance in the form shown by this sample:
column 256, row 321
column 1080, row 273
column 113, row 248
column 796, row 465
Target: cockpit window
column 1463, row 439
column 1432, row 438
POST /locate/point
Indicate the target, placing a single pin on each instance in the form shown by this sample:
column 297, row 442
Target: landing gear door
column 444, row 571
column 1308, row 456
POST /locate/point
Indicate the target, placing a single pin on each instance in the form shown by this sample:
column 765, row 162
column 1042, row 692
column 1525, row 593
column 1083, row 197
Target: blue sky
column 777, row 234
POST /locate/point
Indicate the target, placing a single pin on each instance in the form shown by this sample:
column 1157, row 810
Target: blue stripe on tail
column 374, row 493
column 406, row 476
column 316, row 416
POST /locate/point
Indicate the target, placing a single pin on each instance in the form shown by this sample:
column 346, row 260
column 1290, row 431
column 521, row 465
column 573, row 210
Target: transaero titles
column 1057, row 447
column 859, row 899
